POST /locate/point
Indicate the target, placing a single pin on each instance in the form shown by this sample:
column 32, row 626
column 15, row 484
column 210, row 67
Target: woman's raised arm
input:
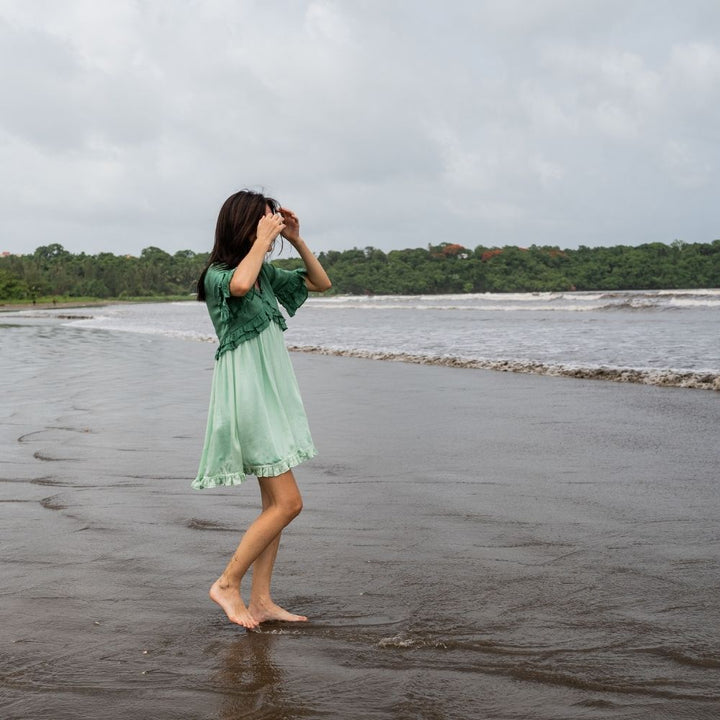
column 317, row 279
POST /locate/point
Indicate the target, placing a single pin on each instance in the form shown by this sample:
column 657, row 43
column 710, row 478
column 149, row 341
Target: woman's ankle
column 260, row 599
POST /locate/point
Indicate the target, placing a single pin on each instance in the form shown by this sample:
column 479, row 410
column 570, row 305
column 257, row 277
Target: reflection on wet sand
column 251, row 684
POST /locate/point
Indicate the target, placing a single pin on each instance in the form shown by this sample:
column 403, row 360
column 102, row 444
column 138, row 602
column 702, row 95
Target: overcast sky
column 126, row 123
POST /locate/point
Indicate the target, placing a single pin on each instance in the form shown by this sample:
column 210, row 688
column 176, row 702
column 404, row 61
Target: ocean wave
column 635, row 300
column 570, row 308
column 695, row 301
column 113, row 324
column 632, row 304
column 699, row 380
column 691, row 291
column 470, row 308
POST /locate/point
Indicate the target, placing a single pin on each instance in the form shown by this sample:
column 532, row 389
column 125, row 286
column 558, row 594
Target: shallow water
column 656, row 337
column 473, row 544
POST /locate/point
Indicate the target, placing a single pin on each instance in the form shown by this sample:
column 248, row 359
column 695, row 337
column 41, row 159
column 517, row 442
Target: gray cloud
column 391, row 124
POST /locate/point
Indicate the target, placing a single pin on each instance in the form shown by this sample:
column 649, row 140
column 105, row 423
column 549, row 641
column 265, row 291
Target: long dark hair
column 236, row 230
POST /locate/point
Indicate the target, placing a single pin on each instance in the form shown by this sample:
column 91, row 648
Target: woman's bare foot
column 267, row 611
column 228, row 598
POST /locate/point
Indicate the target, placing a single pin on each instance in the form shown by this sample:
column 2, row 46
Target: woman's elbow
column 318, row 286
column 238, row 289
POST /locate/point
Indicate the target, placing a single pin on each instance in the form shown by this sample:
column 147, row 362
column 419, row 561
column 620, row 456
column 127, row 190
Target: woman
column 256, row 421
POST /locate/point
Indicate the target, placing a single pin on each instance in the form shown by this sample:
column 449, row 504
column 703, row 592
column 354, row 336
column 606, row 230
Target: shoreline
column 707, row 380
column 658, row 377
column 55, row 306
column 66, row 304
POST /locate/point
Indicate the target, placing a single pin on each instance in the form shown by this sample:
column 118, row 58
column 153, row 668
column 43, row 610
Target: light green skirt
column 256, row 422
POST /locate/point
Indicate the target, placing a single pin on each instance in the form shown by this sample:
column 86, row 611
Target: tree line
column 53, row 272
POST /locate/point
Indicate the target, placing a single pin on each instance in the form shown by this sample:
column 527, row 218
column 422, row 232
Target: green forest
column 53, row 273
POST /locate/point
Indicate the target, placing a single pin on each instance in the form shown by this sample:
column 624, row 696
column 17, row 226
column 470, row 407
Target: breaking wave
column 662, row 377
column 650, row 300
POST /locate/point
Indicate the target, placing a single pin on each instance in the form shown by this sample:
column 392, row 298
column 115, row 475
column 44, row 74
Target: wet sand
column 474, row 544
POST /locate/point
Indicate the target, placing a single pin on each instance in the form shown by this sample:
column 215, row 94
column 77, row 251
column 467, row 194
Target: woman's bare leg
column 283, row 504
column 262, row 608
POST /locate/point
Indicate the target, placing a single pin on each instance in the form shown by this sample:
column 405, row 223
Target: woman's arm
column 246, row 273
column 316, row 279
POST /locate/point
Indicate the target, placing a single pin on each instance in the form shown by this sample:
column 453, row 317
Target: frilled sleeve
column 289, row 287
column 217, row 290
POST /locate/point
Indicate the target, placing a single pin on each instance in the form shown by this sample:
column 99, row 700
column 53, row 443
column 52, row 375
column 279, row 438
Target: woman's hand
column 269, row 227
column 316, row 278
column 292, row 226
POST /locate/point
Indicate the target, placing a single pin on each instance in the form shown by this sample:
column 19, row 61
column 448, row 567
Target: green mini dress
column 256, row 420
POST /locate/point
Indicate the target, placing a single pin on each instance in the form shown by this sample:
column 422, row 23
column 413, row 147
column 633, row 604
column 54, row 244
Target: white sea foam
column 528, row 302
column 702, row 380
column 693, row 301
column 419, row 307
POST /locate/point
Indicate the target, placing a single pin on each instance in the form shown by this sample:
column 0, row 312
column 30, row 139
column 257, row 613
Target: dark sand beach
column 474, row 544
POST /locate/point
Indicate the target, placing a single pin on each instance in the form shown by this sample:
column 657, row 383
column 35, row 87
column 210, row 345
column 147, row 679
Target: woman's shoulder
column 216, row 283
column 218, row 267
column 217, row 272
